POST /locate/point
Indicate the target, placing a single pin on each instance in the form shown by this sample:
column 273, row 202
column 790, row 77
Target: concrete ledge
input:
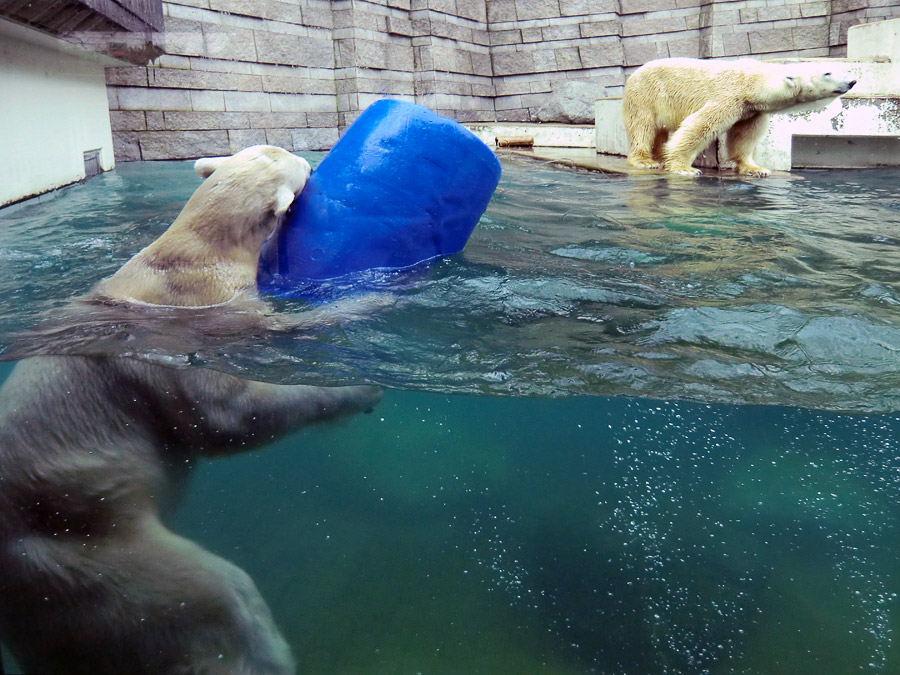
column 845, row 152
column 545, row 135
column 610, row 136
column 848, row 117
column 878, row 40
column 574, row 158
column 613, row 165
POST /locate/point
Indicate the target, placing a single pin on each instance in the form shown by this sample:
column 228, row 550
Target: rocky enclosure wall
column 295, row 72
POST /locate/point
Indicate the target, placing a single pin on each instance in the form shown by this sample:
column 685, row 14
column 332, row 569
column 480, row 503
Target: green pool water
column 639, row 426
column 449, row 534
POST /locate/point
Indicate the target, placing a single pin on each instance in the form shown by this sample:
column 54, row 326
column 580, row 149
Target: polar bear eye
column 827, row 75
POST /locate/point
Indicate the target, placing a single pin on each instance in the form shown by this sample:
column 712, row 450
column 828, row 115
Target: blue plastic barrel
column 402, row 186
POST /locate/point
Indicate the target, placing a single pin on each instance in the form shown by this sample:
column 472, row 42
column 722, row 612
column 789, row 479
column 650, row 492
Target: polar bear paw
column 684, row 170
column 644, row 162
column 752, row 170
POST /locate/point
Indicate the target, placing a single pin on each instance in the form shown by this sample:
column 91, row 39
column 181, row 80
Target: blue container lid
column 403, row 185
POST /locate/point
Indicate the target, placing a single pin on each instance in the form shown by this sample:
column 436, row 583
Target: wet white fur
column 210, row 253
column 674, row 108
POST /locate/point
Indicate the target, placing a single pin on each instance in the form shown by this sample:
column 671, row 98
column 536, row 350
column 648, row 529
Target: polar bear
column 210, row 254
column 674, row 108
column 94, row 448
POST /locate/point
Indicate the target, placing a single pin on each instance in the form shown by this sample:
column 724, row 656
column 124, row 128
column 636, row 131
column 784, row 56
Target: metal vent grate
column 91, row 163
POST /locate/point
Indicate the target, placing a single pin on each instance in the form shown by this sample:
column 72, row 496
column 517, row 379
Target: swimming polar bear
column 210, row 254
column 92, row 448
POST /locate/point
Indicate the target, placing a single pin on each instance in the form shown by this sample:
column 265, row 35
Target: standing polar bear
column 93, row 447
column 674, row 108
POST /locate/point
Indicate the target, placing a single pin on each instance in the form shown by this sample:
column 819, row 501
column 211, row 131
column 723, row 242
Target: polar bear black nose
column 852, row 82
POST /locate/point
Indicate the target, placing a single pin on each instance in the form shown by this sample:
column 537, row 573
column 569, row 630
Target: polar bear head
column 779, row 86
column 813, row 82
column 245, row 194
column 210, row 254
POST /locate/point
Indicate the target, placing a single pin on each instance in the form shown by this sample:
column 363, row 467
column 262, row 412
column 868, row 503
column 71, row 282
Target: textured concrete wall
column 42, row 77
column 295, row 72
column 539, row 43
column 453, row 58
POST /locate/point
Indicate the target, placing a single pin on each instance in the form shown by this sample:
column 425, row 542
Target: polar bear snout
column 840, row 81
column 298, row 175
column 844, row 88
column 263, row 169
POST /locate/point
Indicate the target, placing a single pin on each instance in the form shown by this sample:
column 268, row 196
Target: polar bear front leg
column 642, row 137
column 695, row 133
column 741, row 141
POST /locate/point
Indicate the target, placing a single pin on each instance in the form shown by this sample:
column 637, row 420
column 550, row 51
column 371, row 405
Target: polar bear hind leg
column 221, row 619
column 741, row 141
column 148, row 602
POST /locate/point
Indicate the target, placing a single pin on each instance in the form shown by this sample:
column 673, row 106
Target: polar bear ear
column 792, row 82
column 283, row 199
column 206, row 165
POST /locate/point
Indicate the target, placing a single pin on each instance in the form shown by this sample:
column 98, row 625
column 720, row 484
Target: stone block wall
column 537, row 44
column 234, row 74
column 433, row 52
column 846, row 13
column 451, row 45
column 295, row 72
column 373, row 55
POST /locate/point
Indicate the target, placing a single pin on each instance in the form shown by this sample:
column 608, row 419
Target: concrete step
column 854, row 131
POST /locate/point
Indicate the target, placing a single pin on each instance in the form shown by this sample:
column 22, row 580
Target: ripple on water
column 790, row 284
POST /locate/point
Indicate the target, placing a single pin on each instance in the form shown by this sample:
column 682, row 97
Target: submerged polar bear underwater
column 93, row 447
column 674, row 108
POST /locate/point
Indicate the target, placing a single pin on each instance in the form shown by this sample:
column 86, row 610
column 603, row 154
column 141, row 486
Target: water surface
column 780, row 291
column 571, row 472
